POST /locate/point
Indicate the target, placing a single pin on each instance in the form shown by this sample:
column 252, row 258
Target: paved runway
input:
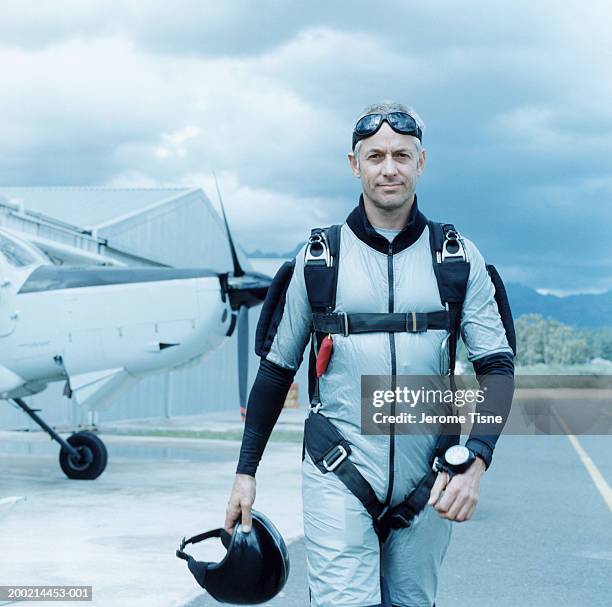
column 119, row 533
column 542, row 534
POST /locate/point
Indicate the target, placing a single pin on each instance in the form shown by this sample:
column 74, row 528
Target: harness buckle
column 345, row 325
column 397, row 520
column 415, row 324
column 453, row 248
column 444, row 355
column 435, row 466
column 337, row 455
column 317, row 251
column 383, row 513
column 316, row 408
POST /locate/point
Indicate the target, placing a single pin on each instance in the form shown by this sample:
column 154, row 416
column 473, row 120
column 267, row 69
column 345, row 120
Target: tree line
column 546, row 341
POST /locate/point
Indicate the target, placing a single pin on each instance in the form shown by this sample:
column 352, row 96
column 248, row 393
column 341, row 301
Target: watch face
column 457, row 455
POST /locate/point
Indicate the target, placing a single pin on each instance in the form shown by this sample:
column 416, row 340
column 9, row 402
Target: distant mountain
column 583, row 311
column 275, row 254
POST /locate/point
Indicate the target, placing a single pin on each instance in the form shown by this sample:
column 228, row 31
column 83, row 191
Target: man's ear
column 354, row 165
column 421, row 162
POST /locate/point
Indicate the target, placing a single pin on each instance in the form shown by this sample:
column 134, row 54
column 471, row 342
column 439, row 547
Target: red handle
column 325, row 352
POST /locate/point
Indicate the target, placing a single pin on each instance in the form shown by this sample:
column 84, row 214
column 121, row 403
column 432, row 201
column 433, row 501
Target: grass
column 602, row 368
column 278, row 436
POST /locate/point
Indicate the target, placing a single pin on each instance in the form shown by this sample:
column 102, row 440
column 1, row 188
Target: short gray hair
column 384, row 107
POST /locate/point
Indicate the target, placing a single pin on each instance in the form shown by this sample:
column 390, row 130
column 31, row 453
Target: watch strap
column 481, row 450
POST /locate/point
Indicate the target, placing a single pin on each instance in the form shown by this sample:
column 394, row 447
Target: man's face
column 389, row 167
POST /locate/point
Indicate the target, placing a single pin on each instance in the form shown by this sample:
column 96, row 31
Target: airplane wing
column 97, row 390
column 66, row 254
column 9, row 380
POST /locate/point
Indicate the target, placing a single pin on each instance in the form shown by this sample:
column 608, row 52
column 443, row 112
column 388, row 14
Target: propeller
column 244, row 290
column 243, row 357
column 238, row 271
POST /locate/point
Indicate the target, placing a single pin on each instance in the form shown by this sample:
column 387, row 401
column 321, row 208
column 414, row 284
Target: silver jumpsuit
column 344, row 558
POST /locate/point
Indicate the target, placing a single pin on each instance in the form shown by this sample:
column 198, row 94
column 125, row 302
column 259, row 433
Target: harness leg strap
column 330, row 451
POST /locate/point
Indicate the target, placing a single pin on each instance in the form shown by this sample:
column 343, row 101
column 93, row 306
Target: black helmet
column 254, row 569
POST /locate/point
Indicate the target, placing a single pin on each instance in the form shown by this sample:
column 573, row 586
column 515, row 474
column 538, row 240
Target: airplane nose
column 247, row 290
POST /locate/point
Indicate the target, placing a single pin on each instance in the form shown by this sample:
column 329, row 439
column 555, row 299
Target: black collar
column 410, row 233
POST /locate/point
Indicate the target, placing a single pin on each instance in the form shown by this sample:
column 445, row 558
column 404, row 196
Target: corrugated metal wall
column 184, row 232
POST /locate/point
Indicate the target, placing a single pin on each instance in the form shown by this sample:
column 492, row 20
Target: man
column 385, row 266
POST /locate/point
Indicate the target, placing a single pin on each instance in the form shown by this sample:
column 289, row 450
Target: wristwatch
column 456, row 460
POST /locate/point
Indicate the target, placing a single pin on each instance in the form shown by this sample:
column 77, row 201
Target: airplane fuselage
column 122, row 325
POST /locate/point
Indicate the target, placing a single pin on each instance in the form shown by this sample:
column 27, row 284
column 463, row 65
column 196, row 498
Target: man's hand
column 240, row 503
column 460, row 495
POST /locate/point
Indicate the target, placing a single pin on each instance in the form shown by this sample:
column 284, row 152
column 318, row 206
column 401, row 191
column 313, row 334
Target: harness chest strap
column 388, row 322
column 346, row 324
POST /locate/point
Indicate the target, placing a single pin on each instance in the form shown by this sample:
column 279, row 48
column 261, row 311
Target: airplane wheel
column 93, row 457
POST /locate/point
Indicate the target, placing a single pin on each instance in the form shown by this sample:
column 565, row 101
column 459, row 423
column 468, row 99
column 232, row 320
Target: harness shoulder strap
column 321, row 263
column 321, row 268
column 450, row 262
column 452, row 270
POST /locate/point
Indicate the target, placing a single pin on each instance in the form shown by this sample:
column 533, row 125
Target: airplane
column 100, row 329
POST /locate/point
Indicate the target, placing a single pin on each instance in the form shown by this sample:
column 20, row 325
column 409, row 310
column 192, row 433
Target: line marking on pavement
column 596, row 475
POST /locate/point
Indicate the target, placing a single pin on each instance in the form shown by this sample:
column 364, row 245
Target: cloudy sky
column 517, row 98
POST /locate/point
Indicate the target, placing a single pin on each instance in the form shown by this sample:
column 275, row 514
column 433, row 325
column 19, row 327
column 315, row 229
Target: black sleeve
column 496, row 377
column 265, row 403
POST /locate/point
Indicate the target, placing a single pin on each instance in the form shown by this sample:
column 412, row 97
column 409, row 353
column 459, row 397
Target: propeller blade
column 243, row 357
column 238, row 271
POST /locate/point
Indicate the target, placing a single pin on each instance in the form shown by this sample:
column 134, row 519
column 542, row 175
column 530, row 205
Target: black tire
column 93, row 453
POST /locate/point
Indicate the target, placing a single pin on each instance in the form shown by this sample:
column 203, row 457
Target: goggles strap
column 222, row 533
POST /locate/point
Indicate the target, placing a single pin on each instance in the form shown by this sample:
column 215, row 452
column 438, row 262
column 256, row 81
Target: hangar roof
column 88, row 207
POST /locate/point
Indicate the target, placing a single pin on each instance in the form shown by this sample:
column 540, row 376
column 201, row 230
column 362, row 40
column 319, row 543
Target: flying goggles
column 400, row 122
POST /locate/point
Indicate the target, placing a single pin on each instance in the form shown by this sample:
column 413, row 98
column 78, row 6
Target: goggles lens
column 401, row 122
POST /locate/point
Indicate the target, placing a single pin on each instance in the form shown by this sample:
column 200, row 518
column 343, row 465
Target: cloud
column 517, row 99
column 285, row 219
column 259, row 218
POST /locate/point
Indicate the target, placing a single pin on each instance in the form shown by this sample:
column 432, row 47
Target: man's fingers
column 437, row 489
column 465, row 513
column 458, row 503
column 445, row 502
column 469, row 507
column 240, row 503
column 247, row 518
column 229, row 524
column 459, row 499
column 454, row 508
column 231, row 516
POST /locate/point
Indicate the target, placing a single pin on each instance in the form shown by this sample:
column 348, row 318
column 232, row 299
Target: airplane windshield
column 14, row 253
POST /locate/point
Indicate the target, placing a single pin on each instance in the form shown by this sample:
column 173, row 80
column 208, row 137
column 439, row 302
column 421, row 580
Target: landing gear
column 92, row 457
column 83, row 456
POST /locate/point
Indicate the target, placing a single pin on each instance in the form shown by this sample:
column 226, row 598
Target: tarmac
column 541, row 536
column 119, row 532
